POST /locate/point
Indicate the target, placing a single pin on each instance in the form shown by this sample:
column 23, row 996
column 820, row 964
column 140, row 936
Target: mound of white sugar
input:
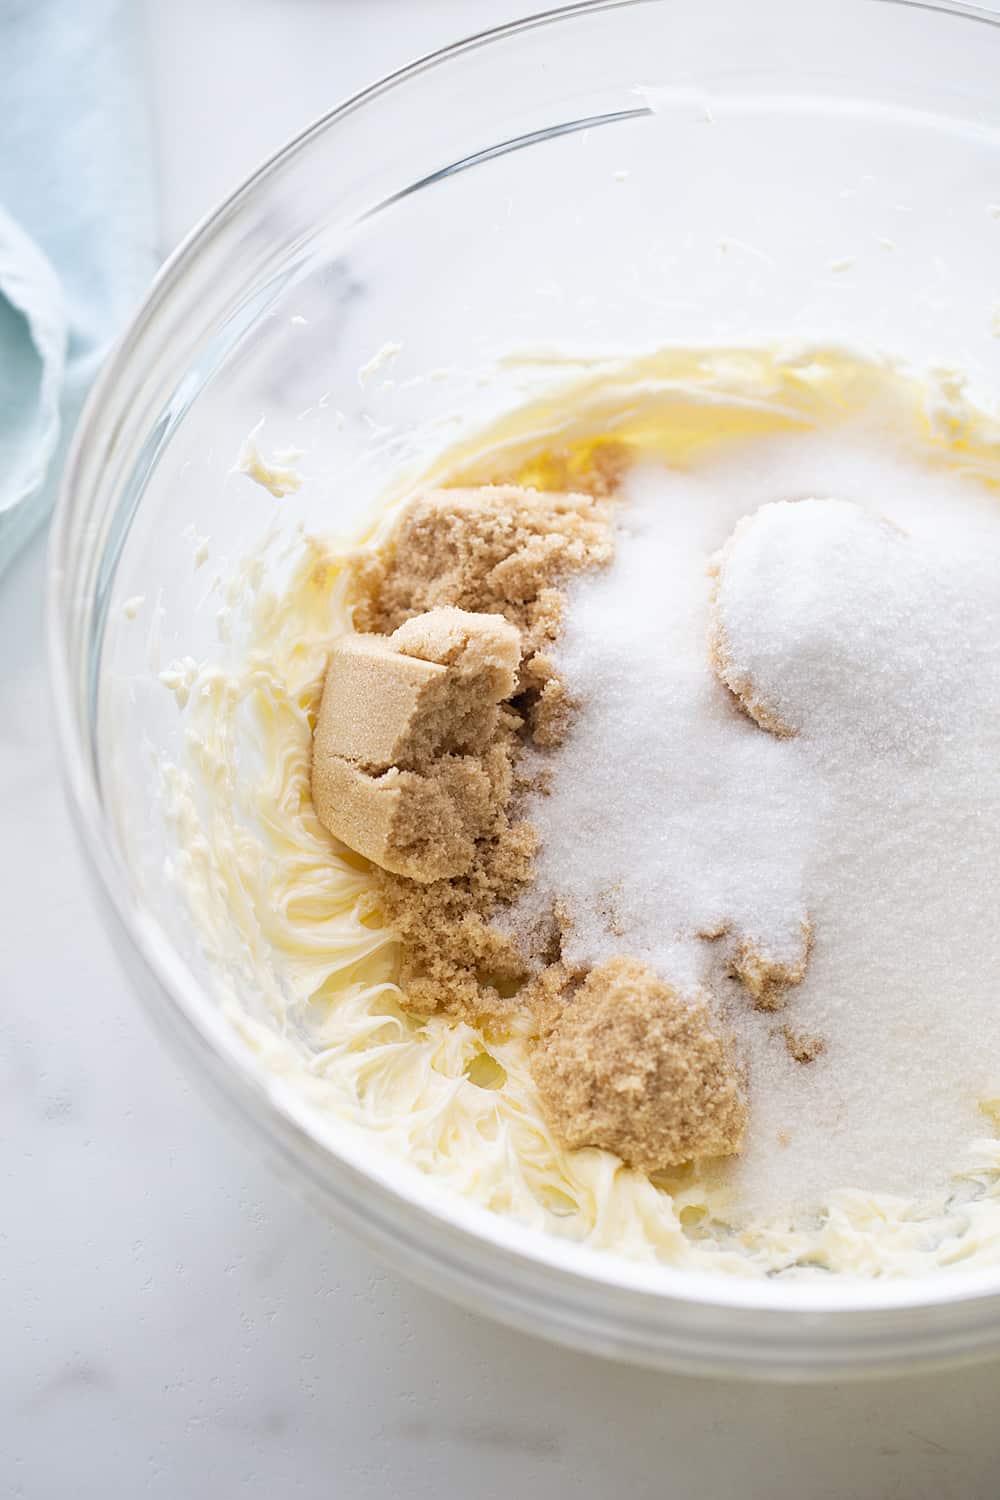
column 872, row 636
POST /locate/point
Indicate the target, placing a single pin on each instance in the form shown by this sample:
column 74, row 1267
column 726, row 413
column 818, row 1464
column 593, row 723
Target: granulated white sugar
column 869, row 623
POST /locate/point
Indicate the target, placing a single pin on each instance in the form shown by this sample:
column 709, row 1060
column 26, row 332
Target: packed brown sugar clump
column 630, row 1064
column 410, row 757
column 506, row 552
column 498, row 550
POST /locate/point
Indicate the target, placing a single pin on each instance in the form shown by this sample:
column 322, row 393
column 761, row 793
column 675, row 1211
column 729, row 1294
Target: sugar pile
column 673, row 816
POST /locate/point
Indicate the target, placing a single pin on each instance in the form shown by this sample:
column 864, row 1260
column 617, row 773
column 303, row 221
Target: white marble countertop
column 174, row 1322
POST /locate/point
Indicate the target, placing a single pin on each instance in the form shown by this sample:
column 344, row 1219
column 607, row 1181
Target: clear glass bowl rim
column 785, row 1330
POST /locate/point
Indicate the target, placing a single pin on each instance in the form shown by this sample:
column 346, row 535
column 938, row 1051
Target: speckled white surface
column 174, row 1322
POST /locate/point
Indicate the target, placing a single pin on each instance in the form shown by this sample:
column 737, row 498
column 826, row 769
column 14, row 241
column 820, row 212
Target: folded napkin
column 76, row 227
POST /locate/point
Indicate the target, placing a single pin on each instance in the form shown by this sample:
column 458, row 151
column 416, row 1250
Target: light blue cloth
column 76, row 227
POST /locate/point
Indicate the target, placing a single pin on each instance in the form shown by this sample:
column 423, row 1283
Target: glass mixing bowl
column 612, row 176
